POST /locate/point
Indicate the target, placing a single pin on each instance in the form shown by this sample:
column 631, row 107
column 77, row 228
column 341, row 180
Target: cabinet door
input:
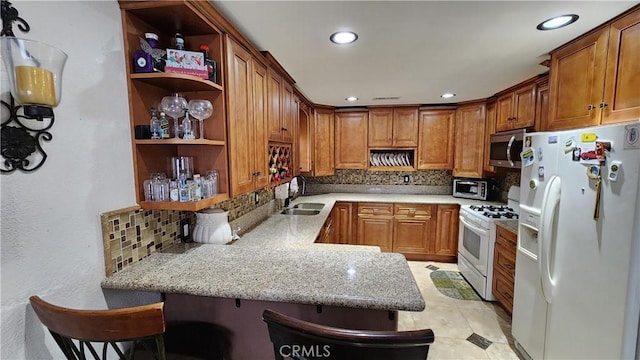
column 274, row 109
column 405, row 127
column 381, row 127
column 435, row 139
column 524, row 107
column 489, row 128
column 542, row 103
column 503, row 112
column 376, row 231
column 577, row 82
column 447, row 230
column 242, row 142
column 324, row 143
column 287, row 127
column 413, row 230
column 344, row 219
column 259, row 86
column 351, row 140
column 622, row 81
column 469, row 151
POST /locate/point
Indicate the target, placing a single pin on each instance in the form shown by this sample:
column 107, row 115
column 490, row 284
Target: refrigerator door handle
column 511, row 141
column 546, row 243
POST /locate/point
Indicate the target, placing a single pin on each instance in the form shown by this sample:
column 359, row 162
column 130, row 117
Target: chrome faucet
column 302, row 184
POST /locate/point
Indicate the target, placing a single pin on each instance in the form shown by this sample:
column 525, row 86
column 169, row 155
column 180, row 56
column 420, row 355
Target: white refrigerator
column 577, row 283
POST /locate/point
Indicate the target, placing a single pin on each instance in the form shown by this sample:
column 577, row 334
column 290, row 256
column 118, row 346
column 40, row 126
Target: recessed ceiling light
column 351, row 98
column 447, row 95
column 557, row 22
column 343, row 37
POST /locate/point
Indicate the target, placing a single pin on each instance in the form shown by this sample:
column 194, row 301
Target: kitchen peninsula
column 277, row 265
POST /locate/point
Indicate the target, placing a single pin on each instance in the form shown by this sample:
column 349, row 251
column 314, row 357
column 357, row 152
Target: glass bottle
column 187, row 127
column 156, row 130
column 210, row 63
column 164, row 126
column 179, row 40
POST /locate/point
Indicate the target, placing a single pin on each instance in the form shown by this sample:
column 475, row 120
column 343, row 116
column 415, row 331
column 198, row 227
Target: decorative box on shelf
column 186, row 62
column 280, row 167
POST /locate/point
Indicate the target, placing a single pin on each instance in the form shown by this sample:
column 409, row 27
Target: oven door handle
column 475, row 229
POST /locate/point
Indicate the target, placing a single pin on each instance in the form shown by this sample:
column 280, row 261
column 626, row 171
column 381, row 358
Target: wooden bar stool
column 75, row 331
column 298, row 339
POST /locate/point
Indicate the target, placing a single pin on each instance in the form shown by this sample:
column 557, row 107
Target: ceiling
column 414, row 50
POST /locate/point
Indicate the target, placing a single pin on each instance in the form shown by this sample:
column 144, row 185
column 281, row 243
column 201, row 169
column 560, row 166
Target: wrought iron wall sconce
column 34, row 72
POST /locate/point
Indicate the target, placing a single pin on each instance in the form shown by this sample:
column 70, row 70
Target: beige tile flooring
column 453, row 321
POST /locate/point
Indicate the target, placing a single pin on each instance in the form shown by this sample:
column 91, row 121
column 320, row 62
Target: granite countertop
column 279, row 261
column 318, row 276
column 511, row 225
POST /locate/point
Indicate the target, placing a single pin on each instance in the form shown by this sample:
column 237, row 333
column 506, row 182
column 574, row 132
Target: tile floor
column 453, row 321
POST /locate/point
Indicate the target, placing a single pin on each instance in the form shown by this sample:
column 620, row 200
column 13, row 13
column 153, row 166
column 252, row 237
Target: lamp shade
column 34, row 70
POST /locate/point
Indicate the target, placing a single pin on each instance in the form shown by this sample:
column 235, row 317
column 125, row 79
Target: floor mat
column 452, row 284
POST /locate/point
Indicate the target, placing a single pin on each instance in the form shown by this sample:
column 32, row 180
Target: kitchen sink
column 314, row 206
column 300, row 212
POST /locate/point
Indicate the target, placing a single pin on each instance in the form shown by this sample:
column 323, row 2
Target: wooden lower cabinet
column 344, row 223
column 326, row 235
column 375, row 225
column 504, row 267
column 414, row 229
column 446, row 245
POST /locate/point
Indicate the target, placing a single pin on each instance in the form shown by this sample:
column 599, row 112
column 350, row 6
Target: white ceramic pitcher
column 212, row 227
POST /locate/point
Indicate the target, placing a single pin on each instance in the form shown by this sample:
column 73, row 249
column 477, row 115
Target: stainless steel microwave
column 505, row 149
column 471, row 189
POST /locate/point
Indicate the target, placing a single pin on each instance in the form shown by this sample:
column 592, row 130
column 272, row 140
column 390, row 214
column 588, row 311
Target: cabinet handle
column 591, row 107
column 507, row 295
column 284, row 129
column 603, row 105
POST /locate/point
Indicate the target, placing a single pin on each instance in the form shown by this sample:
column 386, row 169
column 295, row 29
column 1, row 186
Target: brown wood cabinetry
column 393, row 127
column 542, row 103
column 594, row 79
column 351, row 140
column 247, row 120
column 326, row 235
column 279, row 108
column 344, row 216
column 146, row 90
column 414, row 229
column 324, row 142
column 515, row 109
column 489, row 128
column 504, row 267
column 375, row 225
column 446, row 242
column 469, row 147
column 435, row 138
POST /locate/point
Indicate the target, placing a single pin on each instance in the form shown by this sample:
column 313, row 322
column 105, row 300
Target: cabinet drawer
column 505, row 259
column 413, row 210
column 506, row 236
column 503, row 291
column 375, row 209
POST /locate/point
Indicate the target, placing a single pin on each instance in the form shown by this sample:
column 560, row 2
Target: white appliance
column 577, row 284
column 477, row 238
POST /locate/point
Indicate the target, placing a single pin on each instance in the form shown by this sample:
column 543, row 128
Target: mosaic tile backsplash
column 367, row 177
column 131, row 234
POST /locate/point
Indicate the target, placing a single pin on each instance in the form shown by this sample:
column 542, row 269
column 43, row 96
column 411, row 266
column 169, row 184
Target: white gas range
column 477, row 237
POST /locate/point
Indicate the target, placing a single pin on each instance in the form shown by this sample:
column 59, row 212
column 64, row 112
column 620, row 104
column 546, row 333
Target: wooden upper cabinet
column 351, row 140
column 489, row 128
column 469, row 147
column 542, row 103
column 393, row 127
column 622, row 80
column 280, row 108
column 577, row 81
column 516, row 109
column 324, row 142
column 381, row 127
column 261, row 138
column 435, row 139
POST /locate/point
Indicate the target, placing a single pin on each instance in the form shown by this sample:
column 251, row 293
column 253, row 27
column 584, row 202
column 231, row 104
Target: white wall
column 51, row 241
